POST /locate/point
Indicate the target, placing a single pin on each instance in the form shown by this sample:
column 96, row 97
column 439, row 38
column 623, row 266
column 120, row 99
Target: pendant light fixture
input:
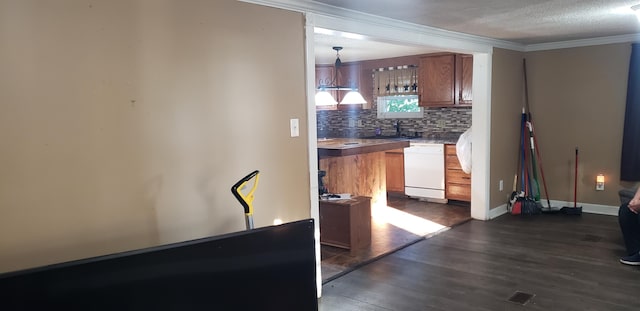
column 324, row 98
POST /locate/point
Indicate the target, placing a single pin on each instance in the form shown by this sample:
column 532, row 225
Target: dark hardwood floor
column 406, row 221
column 565, row 262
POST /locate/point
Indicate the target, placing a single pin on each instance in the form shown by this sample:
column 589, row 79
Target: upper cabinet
column 437, row 80
column 445, row 80
column 464, row 72
column 366, row 87
column 325, row 75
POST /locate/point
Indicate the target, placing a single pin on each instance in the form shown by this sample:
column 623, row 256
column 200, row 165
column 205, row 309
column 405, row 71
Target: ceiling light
column 324, row 98
column 636, row 9
column 329, row 32
column 354, row 36
column 324, row 31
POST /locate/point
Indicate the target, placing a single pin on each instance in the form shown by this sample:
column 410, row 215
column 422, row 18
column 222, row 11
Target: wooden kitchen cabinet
column 445, row 80
column 325, row 74
column 346, row 223
column 349, row 76
column 436, row 80
column 395, row 170
column 457, row 182
column 464, row 72
column 366, row 87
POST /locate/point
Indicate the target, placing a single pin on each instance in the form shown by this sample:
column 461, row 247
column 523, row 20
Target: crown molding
column 340, row 18
column 583, row 42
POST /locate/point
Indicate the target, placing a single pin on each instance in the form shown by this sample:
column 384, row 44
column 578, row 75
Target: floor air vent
column 521, row 298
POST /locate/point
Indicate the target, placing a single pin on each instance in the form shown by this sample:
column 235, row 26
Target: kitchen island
column 357, row 166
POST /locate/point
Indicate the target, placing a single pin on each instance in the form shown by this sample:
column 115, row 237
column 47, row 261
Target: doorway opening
column 376, row 34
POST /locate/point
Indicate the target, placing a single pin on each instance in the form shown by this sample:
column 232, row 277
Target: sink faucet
column 398, row 130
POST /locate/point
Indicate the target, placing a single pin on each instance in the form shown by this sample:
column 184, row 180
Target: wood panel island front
column 357, row 166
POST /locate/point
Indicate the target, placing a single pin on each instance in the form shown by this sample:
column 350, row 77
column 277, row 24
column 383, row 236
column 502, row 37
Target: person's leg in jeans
column 630, row 227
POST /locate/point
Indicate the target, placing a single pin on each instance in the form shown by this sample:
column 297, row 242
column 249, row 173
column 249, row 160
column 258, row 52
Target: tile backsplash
column 362, row 123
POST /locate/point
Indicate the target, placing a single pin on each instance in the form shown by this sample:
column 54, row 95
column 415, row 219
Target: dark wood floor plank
column 386, row 238
column 568, row 263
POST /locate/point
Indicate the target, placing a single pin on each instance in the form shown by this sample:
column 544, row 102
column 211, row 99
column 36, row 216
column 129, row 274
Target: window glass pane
column 402, row 104
column 399, row 106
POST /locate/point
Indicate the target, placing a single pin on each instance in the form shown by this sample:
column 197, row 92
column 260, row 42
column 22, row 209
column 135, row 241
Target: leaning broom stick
column 536, row 191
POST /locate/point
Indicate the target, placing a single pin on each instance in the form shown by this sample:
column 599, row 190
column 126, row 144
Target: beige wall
column 124, row 123
column 577, row 99
column 506, row 109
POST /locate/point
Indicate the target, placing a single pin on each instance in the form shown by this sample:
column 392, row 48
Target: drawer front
column 458, row 192
column 458, row 177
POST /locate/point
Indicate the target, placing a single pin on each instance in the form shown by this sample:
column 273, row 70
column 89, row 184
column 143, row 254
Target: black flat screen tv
column 270, row 268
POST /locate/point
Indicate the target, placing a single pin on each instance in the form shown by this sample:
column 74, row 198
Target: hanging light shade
column 353, row 98
column 324, row 98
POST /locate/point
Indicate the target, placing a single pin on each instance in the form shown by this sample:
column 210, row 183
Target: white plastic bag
column 463, row 151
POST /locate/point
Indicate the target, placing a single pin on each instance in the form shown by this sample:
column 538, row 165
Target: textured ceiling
column 359, row 49
column 520, row 21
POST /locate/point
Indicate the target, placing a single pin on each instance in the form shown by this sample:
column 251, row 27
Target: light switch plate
column 295, row 127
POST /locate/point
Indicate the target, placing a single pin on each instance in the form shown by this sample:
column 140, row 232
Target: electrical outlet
column 501, row 185
column 359, row 122
column 441, row 123
column 352, row 123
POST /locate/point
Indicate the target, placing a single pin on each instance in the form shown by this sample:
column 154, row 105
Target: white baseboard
column 589, row 208
column 586, row 208
column 498, row 211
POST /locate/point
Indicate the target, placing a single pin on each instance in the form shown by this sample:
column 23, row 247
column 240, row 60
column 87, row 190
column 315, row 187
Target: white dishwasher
column 424, row 171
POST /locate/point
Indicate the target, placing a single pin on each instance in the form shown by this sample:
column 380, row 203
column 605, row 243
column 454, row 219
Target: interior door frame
column 481, row 109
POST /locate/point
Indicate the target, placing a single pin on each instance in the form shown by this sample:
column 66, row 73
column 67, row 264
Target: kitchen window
column 398, row 107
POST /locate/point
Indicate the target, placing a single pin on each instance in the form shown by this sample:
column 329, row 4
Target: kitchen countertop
column 338, row 147
column 435, row 140
column 431, row 139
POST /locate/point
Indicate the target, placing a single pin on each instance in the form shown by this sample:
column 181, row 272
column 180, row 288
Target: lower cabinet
column 395, row 170
column 457, row 182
